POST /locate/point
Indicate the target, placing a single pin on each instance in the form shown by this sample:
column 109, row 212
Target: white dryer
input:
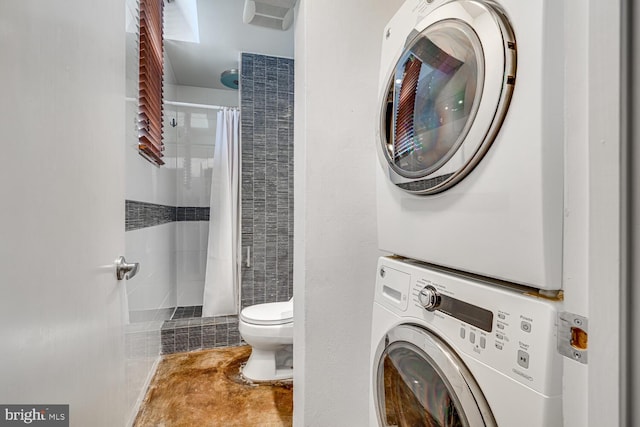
column 478, row 355
column 470, row 137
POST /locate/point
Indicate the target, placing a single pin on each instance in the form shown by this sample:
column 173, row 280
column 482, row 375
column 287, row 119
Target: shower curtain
column 221, row 277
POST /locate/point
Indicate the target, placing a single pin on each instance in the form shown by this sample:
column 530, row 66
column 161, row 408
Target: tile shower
column 267, row 178
column 267, row 211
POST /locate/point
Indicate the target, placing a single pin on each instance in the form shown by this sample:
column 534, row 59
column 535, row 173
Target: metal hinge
column 573, row 336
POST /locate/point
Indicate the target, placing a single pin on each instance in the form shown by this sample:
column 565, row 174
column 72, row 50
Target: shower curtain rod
column 189, row 104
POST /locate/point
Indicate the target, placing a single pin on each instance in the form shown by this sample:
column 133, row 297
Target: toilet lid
column 274, row 313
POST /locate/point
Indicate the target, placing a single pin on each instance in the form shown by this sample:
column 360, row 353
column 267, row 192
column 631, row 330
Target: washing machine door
column 447, row 95
column 420, row 381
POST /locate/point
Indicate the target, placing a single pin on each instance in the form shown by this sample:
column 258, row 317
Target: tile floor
column 187, row 312
column 204, row 389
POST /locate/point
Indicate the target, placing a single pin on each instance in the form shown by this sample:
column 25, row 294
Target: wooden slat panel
column 150, row 96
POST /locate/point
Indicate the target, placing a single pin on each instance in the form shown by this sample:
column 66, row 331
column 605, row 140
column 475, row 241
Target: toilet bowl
column 268, row 329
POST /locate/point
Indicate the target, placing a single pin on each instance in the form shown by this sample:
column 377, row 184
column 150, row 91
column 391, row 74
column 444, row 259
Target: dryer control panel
column 509, row 329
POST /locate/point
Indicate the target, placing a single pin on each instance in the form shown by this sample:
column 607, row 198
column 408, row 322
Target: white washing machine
column 478, row 355
column 470, row 137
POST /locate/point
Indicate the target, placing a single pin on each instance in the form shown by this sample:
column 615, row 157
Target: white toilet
column 268, row 329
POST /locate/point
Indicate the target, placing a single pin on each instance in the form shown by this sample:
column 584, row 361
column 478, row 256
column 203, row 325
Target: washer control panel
column 429, row 298
column 508, row 329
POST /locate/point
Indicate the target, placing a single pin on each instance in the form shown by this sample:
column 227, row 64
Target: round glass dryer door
column 419, row 381
column 447, row 96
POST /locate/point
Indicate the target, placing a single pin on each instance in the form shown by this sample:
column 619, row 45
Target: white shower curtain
column 221, row 277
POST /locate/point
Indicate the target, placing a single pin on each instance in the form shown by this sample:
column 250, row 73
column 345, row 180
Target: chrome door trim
column 462, row 385
column 492, row 27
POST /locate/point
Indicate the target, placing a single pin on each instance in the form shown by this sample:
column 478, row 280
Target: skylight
column 181, row 21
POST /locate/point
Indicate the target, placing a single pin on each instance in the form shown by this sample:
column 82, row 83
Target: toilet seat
column 276, row 313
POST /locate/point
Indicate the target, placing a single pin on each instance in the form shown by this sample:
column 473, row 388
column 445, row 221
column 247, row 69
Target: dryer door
column 447, row 95
column 419, row 381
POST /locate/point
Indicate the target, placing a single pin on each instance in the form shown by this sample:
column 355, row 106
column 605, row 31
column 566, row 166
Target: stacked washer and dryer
column 470, row 203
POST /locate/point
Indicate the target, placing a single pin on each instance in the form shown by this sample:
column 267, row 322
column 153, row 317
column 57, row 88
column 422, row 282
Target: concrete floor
column 204, row 388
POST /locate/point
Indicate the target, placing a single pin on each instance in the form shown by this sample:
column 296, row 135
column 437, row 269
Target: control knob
column 429, row 298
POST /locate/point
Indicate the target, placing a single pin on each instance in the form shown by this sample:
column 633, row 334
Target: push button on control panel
column 501, row 316
column 463, row 332
column 472, row 337
column 523, row 358
column 483, row 342
column 525, row 326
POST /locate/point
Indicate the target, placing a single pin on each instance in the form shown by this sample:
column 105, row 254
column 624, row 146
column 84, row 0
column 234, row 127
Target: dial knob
column 429, row 298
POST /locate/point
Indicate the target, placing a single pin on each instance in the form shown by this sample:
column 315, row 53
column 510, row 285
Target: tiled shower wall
column 194, row 138
column 266, row 119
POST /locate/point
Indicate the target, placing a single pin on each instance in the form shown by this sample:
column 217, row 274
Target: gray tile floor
column 187, row 312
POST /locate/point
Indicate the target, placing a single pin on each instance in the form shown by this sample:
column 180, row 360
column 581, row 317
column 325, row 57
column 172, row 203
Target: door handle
column 125, row 270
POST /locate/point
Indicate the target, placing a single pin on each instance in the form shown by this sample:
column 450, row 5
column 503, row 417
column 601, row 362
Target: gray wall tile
column 266, row 86
column 141, row 214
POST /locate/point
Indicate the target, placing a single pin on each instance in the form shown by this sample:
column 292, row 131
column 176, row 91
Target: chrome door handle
column 124, row 270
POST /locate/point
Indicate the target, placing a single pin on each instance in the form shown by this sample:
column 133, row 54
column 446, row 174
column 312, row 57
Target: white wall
column 335, row 246
column 199, row 95
column 604, row 266
column 191, row 261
